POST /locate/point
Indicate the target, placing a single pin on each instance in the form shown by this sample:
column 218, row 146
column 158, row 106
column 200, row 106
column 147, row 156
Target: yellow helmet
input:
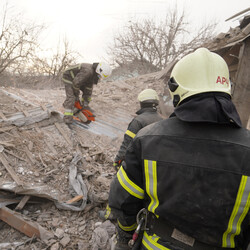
column 148, row 96
column 198, row 72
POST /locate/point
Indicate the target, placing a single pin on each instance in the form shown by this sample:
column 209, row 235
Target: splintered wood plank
column 44, row 107
column 28, row 153
column 58, row 126
column 5, row 129
column 29, row 228
column 3, row 116
column 10, row 169
column 75, row 199
column 22, row 203
column 18, row 157
column 26, row 113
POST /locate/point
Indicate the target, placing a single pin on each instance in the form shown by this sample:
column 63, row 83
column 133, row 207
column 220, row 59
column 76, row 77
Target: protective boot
column 116, row 244
column 68, row 119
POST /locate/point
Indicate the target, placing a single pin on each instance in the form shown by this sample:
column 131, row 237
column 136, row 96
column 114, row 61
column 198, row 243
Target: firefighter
column 81, row 77
column 190, row 173
column 146, row 115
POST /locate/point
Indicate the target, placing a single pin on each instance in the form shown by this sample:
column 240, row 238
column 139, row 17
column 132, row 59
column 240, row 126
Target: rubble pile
column 43, row 163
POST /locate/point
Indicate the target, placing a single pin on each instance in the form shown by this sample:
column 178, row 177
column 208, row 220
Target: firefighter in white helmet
column 82, row 77
column 146, row 115
column 188, row 175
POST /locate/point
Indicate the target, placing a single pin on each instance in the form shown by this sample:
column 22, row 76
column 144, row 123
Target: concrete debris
column 101, row 237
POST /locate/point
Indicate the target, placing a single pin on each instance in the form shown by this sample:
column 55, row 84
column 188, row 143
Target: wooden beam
column 58, row 126
column 3, row 116
column 238, row 14
column 22, row 203
column 10, row 169
column 4, row 129
column 29, row 228
column 26, row 113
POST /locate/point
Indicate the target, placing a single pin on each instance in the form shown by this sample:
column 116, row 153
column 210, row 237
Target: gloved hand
column 117, row 165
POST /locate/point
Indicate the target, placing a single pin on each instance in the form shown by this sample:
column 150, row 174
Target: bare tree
column 18, row 41
column 54, row 64
column 157, row 43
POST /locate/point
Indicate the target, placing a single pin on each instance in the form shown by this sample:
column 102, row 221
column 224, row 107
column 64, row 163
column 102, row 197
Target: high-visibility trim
column 67, row 81
column 73, row 67
column 89, row 88
column 68, row 113
column 108, row 212
column 239, row 213
column 88, row 98
column 150, row 168
column 128, row 185
column 150, row 242
column 127, row 228
column 72, row 74
column 129, row 133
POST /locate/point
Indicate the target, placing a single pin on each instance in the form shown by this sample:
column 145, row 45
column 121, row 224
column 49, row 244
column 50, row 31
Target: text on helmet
column 222, row 80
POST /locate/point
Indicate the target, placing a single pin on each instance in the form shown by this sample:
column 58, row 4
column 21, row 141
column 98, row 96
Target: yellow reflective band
column 127, row 228
column 68, row 113
column 73, row 67
column 105, row 75
column 72, row 74
column 129, row 133
column 150, row 242
column 150, row 168
column 108, row 211
column 128, row 185
column 239, row 213
column 67, row 81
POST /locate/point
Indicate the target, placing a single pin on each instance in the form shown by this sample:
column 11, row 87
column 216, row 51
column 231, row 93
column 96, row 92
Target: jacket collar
column 210, row 107
column 140, row 111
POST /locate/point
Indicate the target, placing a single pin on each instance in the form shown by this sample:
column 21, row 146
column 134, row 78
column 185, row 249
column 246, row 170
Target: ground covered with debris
column 53, row 179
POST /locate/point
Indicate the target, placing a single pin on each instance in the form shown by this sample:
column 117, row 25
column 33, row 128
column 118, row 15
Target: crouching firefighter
column 81, row 77
column 190, row 172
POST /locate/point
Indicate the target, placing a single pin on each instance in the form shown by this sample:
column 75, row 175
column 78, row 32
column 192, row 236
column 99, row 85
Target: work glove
column 117, row 165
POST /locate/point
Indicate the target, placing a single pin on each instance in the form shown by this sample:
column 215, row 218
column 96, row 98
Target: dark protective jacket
column 193, row 175
column 145, row 116
column 82, row 77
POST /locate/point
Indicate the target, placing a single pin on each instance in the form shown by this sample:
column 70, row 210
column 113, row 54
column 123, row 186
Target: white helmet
column 199, row 72
column 103, row 69
column 148, row 96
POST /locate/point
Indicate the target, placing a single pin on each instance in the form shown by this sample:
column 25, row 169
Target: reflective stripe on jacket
column 82, row 77
column 196, row 176
column 145, row 116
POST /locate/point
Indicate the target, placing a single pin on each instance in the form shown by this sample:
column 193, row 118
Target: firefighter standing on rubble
column 147, row 114
column 191, row 172
column 81, row 77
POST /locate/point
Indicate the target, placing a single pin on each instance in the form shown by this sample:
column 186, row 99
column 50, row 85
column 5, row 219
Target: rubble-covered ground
column 41, row 151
